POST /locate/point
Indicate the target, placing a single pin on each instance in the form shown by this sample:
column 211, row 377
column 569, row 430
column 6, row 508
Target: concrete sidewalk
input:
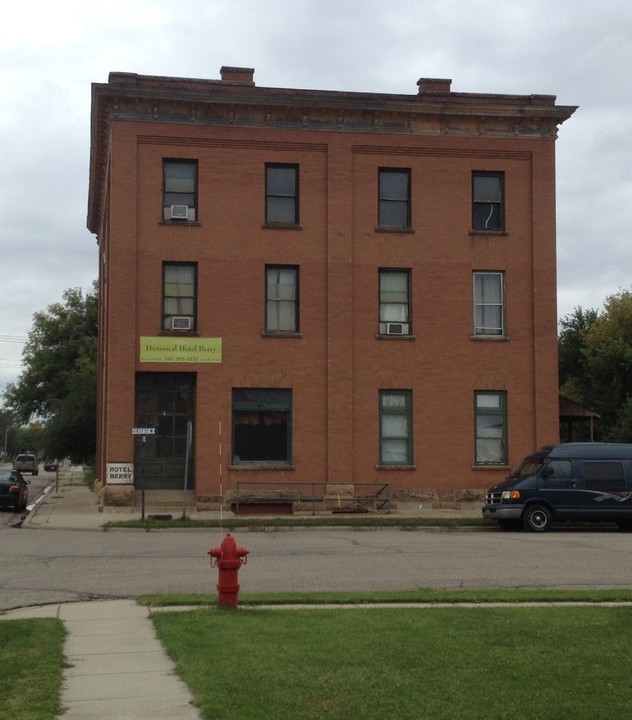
column 71, row 505
column 118, row 670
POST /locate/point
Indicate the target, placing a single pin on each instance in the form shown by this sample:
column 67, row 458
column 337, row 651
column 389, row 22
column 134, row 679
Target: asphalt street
column 43, row 566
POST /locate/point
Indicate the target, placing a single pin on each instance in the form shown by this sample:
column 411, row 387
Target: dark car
column 14, row 489
column 51, row 465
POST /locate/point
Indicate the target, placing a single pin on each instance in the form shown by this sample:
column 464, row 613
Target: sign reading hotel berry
column 121, row 473
column 180, row 350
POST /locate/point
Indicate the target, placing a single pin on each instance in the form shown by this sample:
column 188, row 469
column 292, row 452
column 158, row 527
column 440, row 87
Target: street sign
column 143, row 431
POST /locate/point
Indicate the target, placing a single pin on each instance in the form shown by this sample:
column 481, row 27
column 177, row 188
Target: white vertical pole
column 221, row 479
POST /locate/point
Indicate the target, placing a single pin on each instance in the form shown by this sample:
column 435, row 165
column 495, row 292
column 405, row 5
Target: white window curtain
column 488, row 304
column 395, row 439
column 281, row 300
column 179, row 290
column 489, row 439
column 394, row 297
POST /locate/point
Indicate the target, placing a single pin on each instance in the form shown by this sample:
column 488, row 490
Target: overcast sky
column 50, row 53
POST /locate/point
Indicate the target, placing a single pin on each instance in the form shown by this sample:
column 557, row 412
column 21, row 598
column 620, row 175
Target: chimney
column 242, row 76
column 434, row 86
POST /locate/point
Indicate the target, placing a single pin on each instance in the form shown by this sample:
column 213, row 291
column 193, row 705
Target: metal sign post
column 143, row 432
column 186, row 468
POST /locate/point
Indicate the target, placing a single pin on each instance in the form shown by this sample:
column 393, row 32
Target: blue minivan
column 571, row 481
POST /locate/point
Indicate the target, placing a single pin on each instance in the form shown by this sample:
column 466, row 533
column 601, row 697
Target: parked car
column 14, row 489
column 25, row 462
column 51, row 465
column 572, row 481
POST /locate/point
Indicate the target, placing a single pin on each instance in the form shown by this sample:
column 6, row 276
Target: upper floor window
column 179, row 296
column 180, row 190
column 394, row 198
column 491, row 427
column 282, row 299
column 489, row 313
column 396, row 426
column 394, row 302
column 282, row 197
column 488, row 207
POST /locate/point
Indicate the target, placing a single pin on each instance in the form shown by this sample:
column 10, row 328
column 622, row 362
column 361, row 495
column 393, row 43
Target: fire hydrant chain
column 228, row 558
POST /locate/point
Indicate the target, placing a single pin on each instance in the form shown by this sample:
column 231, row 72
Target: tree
column 58, row 386
column 595, row 351
column 571, row 346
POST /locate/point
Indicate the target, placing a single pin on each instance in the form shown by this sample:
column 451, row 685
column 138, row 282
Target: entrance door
column 166, row 402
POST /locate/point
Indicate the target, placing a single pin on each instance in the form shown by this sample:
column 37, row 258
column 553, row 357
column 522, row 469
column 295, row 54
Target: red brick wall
column 338, row 365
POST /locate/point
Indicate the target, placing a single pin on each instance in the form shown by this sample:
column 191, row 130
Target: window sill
column 395, row 467
column 475, row 233
column 490, row 338
column 253, row 465
column 295, row 335
column 281, row 226
column 384, row 336
column 179, row 333
column 500, row 467
column 396, row 230
column 183, row 223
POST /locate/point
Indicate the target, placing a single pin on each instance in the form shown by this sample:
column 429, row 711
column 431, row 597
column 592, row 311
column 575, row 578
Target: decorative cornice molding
column 213, row 104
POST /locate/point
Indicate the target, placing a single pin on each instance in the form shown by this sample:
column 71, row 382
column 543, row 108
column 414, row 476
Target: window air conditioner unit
column 179, row 212
column 396, row 328
column 180, row 323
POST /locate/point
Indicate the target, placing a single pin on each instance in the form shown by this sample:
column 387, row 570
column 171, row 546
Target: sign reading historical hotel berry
column 180, row 350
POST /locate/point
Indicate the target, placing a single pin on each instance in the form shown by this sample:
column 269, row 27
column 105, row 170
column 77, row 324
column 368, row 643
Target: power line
column 13, row 338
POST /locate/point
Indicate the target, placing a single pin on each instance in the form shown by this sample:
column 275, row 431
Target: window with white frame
column 489, row 302
column 396, row 425
column 180, row 190
column 490, row 410
column 282, row 300
column 394, row 302
column 179, row 296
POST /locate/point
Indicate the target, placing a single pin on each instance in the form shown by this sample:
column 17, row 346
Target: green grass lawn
column 449, row 663
column 31, row 662
column 554, row 662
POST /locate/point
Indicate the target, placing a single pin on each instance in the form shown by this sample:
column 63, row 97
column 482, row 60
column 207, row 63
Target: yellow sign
column 180, row 350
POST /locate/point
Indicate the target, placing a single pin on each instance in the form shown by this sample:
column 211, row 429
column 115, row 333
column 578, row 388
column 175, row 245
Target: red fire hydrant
column 228, row 558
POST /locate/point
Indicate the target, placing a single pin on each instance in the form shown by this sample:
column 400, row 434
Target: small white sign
column 143, row 431
column 120, row 473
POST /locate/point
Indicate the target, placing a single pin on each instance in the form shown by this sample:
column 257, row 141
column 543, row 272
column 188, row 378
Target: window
column 282, row 195
column 394, row 302
column 489, row 304
column 394, row 198
column 262, row 422
column 491, row 427
column 604, row 475
column 180, row 190
column 179, row 296
column 396, row 420
column 488, row 213
column 281, row 299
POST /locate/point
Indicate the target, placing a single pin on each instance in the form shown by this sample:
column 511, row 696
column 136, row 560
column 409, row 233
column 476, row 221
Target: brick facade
column 337, row 361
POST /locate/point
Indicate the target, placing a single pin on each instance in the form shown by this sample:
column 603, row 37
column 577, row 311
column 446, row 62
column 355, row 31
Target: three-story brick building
column 321, row 287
